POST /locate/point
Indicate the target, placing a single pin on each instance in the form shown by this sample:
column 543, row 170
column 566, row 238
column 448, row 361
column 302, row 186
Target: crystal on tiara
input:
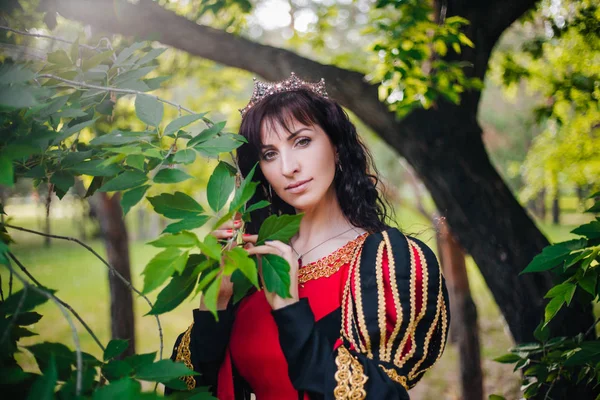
column 266, row 89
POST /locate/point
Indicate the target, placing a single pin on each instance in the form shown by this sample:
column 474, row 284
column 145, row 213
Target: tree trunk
column 556, row 208
column 443, row 143
column 114, row 233
column 463, row 326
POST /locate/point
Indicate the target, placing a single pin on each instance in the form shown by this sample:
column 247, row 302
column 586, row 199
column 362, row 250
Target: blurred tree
column 559, row 61
column 420, row 80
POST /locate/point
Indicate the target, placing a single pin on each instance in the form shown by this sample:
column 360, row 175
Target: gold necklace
column 306, row 252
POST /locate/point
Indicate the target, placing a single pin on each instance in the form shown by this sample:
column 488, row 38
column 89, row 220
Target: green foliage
column 418, row 61
column 572, row 361
column 58, row 125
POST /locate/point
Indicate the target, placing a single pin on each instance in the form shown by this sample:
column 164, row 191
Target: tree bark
column 463, row 327
column 443, row 144
column 556, row 208
column 114, row 234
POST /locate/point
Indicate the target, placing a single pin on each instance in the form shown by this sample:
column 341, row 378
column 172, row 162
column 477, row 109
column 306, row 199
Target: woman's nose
column 289, row 165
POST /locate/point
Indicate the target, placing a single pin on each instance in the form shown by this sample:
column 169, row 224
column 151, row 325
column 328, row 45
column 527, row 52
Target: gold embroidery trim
column 395, row 296
column 395, row 376
column 398, row 359
column 329, row 265
column 347, row 305
column 381, row 300
column 362, row 325
column 184, row 355
column 350, row 377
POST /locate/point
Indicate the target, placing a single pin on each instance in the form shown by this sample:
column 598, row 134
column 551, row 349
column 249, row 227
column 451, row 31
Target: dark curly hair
column 355, row 182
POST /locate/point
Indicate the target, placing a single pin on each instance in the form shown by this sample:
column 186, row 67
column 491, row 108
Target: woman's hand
column 226, row 232
column 283, row 250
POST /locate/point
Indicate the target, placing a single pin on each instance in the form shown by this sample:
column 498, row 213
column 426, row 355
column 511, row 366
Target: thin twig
column 64, row 304
column 58, row 39
column 50, row 296
column 110, row 267
column 591, row 328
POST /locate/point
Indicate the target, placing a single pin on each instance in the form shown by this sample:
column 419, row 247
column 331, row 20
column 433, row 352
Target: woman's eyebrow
column 292, row 135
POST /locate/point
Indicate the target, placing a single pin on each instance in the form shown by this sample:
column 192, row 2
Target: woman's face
column 300, row 166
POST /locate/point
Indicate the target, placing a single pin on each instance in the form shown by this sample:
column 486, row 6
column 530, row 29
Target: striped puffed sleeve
column 394, row 325
column 395, row 311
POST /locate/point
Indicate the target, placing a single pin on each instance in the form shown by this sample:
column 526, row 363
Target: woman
column 368, row 312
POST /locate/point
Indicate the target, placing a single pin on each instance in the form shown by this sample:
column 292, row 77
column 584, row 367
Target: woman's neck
column 321, row 222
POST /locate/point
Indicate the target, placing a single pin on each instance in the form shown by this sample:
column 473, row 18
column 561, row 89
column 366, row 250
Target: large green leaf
column 241, row 285
column 126, row 53
column 116, row 369
column 92, row 168
column 43, row 387
column 6, row 172
column 238, row 258
column 244, row 193
column 175, row 206
column 163, row 370
column 171, row 175
column 116, row 138
column 114, row 348
column 219, row 187
column 63, row 357
column 60, row 57
column 257, row 206
column 276, row 273
column 590, row 230
column 17, row 96
column 188, row 223
column 70, row 130
column 552, row 256
column 134, row 74
column 211, row 295
column 14, row 73
column 162, row 266
column 211, row 248
column 181, row 122
column 185, row 156
column 126, row 388
column 207, row 134
column 215, row 146
column 552, row 308
column 183, row 239
column 151, row 55
column 178, row 289
column 124, row 181
column 96, row 59
column 282, row 228
column 149, row 110
column 32, row 300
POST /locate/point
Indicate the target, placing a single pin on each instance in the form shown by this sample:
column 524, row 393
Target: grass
column 81, row 280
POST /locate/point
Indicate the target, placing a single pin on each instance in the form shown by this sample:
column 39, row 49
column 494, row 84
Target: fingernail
column 229, row 230
column 247, row 234
column 237, row 223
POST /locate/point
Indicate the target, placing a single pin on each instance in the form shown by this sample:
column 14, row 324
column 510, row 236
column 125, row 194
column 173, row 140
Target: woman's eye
column 303, row 142
column 268, row 155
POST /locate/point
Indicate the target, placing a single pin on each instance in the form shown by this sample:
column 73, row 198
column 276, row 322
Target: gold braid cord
column 395, row 376
column 350, row 377
column 184, row 355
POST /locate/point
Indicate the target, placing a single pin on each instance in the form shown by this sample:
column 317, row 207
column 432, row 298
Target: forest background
column 538, row 113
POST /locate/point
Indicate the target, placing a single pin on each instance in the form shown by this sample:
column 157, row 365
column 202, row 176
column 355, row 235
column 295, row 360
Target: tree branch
column 66, row 305
column 110, row 267
column 51, row 297
column 55, row 38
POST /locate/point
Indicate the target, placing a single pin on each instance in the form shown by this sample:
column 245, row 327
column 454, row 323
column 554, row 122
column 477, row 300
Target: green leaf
column 553, row 256
column 589, row 281
column 585, row 264
column 542, row 333
column 207, row 275
column 590, row 230
column 281, row 228
column 211, row 295
column 171, row 175
column 508, row 358
column 188, row 223
column 126, row 388
column 176, row 206
column 43, row 387
column 183, row 239
column 92, row 168
column 257, row 206
column 63, row 180
column 137, row 360
column 244, row 193
column 134, row 74
column 60, row 57
column 47, row 352
column 185, row 156
column 594, row 209
column 28, row 318
column 149, row 110
column 211, row 248
column 32, row 300
column 552, row 308
column 178, row 289
column 66, row 132
column 219, row 186
column 116, row 138
column 14, row 73
column 241, row 285
column 136, row 161
column 17, row 96
column 238, row 258
column 124, row 181
column 6, row 172
column 96, row 59
column 162, row 266
column 163, row 370
column 151, row 55
column 215, row 146
column 207, row 134
column 276, row 273
column 182, row 122
column 116, row 369
column 114, row 348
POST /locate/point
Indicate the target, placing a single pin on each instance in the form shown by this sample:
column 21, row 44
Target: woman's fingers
column 284, row 249
column 222, row 233
column 262, row 250
column 248, row 238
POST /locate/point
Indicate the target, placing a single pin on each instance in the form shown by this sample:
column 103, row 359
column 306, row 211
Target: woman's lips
column 300, row 188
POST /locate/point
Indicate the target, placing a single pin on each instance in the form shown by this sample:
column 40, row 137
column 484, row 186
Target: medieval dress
column 372, row 318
